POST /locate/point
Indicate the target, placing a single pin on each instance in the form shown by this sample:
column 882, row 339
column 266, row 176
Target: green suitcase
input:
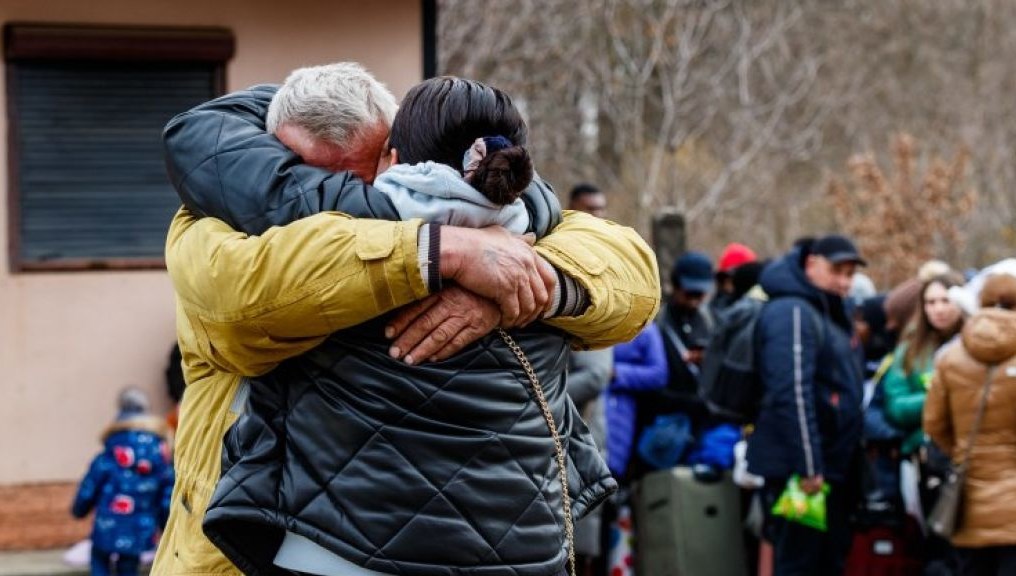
column 688, row 527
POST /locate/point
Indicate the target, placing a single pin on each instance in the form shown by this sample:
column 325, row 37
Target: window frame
column 69, row 44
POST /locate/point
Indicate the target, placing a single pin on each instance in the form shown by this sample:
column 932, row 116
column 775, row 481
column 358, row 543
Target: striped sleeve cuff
column 428, row 253
column 570, row 298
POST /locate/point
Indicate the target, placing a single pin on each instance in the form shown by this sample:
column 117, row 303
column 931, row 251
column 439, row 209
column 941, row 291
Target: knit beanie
column 745, row 276
column 131, row 402
column 734, row 255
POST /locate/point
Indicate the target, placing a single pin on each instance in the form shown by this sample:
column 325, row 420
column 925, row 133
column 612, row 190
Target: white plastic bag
column 741, row 476
column 909, row 489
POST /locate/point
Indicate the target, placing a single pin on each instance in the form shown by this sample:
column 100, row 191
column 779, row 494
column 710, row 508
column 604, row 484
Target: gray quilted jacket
column 440, row 469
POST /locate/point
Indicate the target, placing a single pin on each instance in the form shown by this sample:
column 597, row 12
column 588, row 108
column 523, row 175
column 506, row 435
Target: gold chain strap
column 569, row 527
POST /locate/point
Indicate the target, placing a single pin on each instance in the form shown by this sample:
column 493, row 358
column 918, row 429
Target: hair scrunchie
column 480, row 148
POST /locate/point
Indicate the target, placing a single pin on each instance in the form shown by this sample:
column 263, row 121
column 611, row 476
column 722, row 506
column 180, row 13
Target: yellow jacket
column 246, row 303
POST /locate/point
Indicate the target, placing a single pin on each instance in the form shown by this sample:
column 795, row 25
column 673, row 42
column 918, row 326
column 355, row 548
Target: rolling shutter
column 91, row 176
column 86, row 108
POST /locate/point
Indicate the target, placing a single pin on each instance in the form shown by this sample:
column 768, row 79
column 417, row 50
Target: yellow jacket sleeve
column 618, row 270
column 249, row 302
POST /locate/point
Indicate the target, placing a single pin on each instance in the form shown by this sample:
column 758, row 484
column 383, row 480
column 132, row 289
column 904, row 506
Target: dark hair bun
column 503, row 175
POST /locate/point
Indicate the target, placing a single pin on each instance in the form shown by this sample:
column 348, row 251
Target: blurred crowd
column 893, row 403
column 762, row 379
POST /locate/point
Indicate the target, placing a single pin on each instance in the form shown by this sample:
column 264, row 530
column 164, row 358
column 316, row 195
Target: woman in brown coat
column 986, row 535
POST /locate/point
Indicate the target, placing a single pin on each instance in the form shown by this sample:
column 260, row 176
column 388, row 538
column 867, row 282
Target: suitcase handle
column 706, row 474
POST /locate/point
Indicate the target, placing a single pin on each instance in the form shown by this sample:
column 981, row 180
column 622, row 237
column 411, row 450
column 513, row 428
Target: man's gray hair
column 334, row 102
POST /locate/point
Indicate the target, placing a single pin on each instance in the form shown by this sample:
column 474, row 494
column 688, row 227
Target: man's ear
column 393, row 157
column 809, row 260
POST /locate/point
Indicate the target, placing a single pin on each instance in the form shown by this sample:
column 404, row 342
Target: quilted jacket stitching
column 440, row 493
column 439, row 489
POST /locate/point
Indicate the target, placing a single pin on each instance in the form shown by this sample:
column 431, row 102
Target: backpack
column 728, row 382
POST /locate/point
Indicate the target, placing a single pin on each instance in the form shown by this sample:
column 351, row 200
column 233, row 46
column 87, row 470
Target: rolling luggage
column 885, row 551
column 689, row 524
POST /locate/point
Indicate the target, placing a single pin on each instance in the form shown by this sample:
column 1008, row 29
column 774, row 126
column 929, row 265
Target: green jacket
column 904, row 397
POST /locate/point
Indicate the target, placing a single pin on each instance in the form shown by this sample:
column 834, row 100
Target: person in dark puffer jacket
column 810, row 420
column 455, row 452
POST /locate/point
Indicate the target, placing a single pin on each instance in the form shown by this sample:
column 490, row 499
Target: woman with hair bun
column 457, row 156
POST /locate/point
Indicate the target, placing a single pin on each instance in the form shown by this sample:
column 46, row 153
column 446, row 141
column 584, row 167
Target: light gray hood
column 437, row 193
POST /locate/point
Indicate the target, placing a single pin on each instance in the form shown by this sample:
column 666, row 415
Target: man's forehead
column 844, row 267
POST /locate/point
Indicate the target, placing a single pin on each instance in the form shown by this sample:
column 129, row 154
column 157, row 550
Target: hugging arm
column 220, row 151
column 608, row 289
column 223, row 164
column 254, row 301
column 617, row 271
column 259, row 300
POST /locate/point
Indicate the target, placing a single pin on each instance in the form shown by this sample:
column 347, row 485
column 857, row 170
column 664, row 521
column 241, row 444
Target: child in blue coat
column 129, row 485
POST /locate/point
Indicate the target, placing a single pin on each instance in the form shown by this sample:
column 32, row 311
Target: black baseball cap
column 837, row 249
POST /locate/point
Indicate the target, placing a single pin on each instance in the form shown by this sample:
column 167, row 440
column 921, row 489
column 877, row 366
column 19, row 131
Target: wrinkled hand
column 440, row 325
column 494, row 263
column 812, row 484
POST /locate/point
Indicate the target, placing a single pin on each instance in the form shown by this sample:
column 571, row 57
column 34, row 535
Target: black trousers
column 990, row 561
column 800, row 550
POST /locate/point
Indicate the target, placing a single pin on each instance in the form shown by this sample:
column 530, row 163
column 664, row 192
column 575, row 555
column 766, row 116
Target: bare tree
column 734, row 111
column 904, row 218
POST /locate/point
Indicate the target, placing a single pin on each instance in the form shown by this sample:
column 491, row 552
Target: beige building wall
column 70, row 340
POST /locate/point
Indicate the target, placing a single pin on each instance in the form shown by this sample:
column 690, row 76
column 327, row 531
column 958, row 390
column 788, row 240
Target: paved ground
column 41, row 563
column 37, row 563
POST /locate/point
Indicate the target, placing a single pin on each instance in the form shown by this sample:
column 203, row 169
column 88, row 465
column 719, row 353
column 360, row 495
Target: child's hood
column 434, row 179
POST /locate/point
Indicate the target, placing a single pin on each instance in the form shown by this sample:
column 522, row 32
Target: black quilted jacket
column 446, row 468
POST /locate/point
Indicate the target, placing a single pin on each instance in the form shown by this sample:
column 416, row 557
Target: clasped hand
column 493, row 278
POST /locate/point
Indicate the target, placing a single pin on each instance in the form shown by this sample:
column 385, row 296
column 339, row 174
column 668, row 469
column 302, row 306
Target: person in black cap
column 810, row 420
column 686, row 326
column 684, row 321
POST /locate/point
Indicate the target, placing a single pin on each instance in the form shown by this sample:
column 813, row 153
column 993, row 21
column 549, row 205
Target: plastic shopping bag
column 742, row 477
column 807, row 509
column 911, row 492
